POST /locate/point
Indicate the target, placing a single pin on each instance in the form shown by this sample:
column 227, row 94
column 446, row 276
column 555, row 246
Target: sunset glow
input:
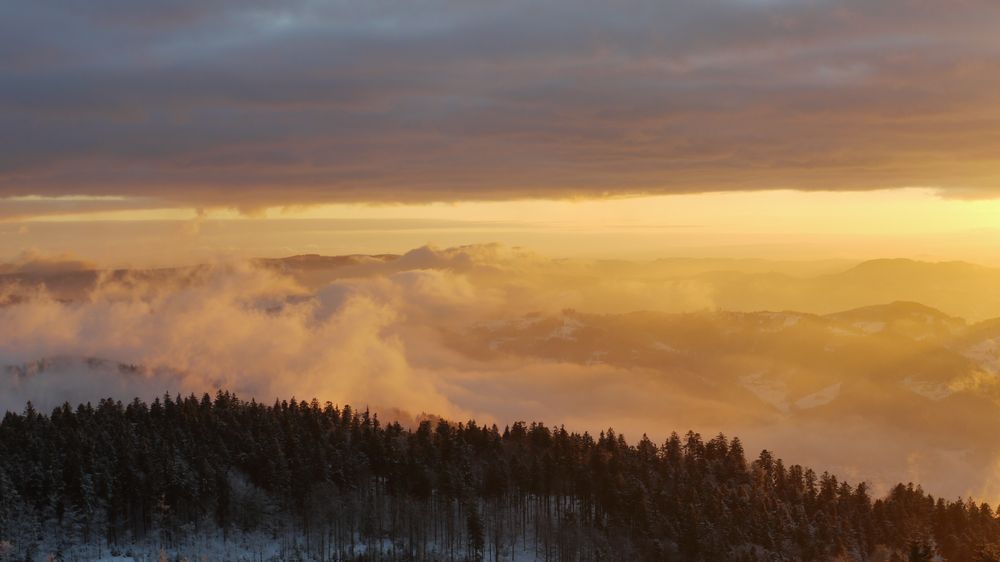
column 914, row 222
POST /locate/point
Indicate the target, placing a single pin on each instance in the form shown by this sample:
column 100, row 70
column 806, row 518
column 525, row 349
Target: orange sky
column 915, row 223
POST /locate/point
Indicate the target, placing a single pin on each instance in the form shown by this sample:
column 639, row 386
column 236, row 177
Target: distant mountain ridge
column 789, row 363
column 957, row 288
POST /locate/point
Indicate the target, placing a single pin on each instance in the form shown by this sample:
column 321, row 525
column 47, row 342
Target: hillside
column 298, row 480
column 789, row 362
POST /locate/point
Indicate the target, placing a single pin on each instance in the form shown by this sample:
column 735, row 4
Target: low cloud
column 232, row 327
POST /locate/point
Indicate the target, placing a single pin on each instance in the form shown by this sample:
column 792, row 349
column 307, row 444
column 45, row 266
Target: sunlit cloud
column 253, row 105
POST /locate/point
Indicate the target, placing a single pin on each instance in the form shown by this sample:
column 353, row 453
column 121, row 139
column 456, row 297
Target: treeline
column 346, row 487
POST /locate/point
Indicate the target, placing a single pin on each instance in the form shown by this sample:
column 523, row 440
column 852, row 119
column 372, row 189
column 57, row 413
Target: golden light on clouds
column 900, row 211
column 913, row 222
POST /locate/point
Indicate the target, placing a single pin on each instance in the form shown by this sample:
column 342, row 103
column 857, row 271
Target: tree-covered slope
column 330, row 483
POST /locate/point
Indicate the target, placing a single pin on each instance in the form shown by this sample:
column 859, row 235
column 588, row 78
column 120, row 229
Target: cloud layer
column 260, row 103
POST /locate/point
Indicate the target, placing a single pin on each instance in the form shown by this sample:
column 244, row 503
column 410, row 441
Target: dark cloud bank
column 258, row 103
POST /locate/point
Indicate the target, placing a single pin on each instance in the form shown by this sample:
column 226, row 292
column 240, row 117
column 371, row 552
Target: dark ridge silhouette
column 352, row 488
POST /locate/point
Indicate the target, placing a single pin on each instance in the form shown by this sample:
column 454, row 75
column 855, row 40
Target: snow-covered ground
column 261, row 546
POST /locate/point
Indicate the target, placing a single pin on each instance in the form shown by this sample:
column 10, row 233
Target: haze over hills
column 958, row 288
column 880, row 389
column 901, row 369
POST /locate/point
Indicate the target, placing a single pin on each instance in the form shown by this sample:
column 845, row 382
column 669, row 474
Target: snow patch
column 660, row 346
column 870, row 327
column 930, row 390
column 496, row 343
column 986, row 355
column 819, row 398
column 783, row 320
column 569, row 327
column 521, row 323
column 597, row 358
column 773, row 392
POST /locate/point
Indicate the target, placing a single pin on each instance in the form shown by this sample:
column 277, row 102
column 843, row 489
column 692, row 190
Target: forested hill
column 224, row 478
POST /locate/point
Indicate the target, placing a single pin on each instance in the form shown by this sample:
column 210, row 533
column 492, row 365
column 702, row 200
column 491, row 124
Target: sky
column 778, row 225
column 191, row 107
